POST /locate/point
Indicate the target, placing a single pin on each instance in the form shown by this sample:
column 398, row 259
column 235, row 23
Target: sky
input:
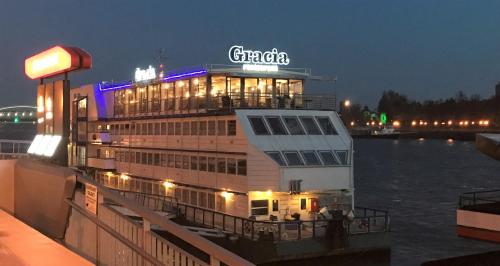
column 425, row 49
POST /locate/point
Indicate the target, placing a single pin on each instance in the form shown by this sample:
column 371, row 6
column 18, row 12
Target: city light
column 124, row 177
column 347, row 103
column 413, row 123
column 396, row 123
column 352, row 123
column 168, row 184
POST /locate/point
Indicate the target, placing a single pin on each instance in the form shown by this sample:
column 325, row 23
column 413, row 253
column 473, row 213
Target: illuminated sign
column 263, row 68
column 237, row 54
column 55, row 61
column 145, row 74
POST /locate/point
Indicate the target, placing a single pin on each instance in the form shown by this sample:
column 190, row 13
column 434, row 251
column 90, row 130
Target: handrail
column 201, row 243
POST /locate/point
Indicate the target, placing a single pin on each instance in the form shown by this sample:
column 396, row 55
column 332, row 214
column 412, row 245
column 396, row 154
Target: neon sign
column 237, row 54
column 56, row 60
column 145, row 74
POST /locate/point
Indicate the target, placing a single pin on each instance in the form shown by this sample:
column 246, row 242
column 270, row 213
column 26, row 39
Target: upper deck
column 208, row 89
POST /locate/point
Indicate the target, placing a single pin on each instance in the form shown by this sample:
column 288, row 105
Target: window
column 259, row 207
column 144, row 130
column 342, row 156
column 276, row 156
column 178, row 128
column 171, row 128
column 231, row 127
column 310, row 125
column 157, row 128
column 194, row 162
column 310, row 158
column 132, row 129
column 276, row 125
column 178, row 161
column 185, row 162
column 163, row 160
column 203, row 163
column 211, row 128
column 293, row 125
column 294, row 186
column 171, row 161
column 303, row 203
column 177, row 193
column 203, row 199
column 221, row 128
column 137, row 157
column 150, row 129
column 211, row 201
column 242, row 167
column 275, row 205
column 326, row 125
column 185, row 129
column 293, row 158
column 221, row 165
column 194, row 198
column 185, row 196
column 203, row 128
column 163, row 128
column 221, row 203
column 194, row 128
column 328, row 158
column 150, row 158
column 258, row 125
column 231, row 166
column 156, row 159
column 211, row 164
column 144, row 158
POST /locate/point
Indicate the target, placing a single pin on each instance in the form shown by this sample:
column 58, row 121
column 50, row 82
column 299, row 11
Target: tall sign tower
column 51, row 68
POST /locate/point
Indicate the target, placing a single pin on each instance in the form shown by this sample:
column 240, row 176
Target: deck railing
column 202, row 104
column 483, row 201
column 366, row 220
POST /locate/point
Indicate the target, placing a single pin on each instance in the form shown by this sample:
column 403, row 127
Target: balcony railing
column 200, row 104
column 487, row 201
column 366, row 221
column 101, row 163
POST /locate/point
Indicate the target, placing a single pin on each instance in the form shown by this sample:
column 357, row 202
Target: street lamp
column 347, row 103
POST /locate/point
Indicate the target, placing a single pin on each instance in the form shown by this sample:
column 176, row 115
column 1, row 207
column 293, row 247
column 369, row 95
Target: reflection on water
column 419, row 182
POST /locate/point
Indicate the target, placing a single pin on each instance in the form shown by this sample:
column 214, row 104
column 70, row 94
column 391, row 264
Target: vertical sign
column 91, row 198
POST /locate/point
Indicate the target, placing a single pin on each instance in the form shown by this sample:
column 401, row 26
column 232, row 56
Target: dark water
column 419, row 182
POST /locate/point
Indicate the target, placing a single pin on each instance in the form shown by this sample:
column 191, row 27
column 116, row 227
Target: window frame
column 298, row 156
column 263, row 123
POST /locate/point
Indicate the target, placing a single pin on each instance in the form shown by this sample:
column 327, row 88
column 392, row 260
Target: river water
column 419, row 182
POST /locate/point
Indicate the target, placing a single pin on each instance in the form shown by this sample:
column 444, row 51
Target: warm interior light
column 269, row 193
column 226, row 195
column 168, row 184
column 40, row 105
column 124, row 177
column 396, row 123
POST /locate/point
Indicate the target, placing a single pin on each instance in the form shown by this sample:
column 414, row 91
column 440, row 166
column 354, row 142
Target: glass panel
column 294, row 126
column 276, row 156
column 326, row 125
column 251, row 92
column 218, row 86
column 231, row 166
column 342, row 156
column 221, row 128
column 242, row 167
column 310, row 158
column 221, row 165
column 211, row 128
column 194, row 128
column 178, row 128
column 178, row 161
column 293, row 158
column 171, row 128
column 194, row 163
column 281, row 87
column 234, row 88
column 231, row 128
column 203, row 163
column 211, row 164
column 171, row 161
column 185, row 162
column 328, row 158
column 310, row 125
column 259, row 207
column 258, row 125
column 203, row 128
column 276, row 125
column 185, row 129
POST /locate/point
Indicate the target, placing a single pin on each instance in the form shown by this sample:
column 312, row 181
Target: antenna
column 162, row 58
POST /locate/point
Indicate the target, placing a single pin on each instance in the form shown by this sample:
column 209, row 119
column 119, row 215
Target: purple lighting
column 171, row 77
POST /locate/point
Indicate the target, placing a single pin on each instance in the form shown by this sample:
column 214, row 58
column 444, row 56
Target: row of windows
column 194, row 162
column 295, row 158
column 188, row 128
column 202, row 199
column 292, row 125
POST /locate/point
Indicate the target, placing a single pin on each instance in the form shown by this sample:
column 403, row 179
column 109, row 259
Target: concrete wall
column 7, row 185
column 39, row 193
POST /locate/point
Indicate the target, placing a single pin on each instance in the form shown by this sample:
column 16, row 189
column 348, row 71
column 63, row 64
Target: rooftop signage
column 145, row 74
column 56, row 60
column 237, row 54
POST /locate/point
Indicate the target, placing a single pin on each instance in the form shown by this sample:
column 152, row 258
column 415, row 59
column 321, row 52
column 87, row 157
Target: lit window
column 231, row 128
column 342, row 156
column 258, row 125
column 310, row 125
column 310, row 158
column 259, row 207
column 294, row 126
column 276, row 156
column 326, row 125
column 303, row 203
column 293, row 158
column 276, row 125
column 328, row 158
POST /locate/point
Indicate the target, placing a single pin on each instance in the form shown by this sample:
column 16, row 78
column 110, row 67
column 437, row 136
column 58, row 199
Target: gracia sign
column 237, row 54
column 145, row 74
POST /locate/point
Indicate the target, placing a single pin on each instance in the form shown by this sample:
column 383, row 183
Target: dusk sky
column 424, row 49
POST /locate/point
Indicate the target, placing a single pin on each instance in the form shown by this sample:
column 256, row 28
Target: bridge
column 18, row 114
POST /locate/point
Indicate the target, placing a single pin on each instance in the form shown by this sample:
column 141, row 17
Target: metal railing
column 367, row 220
column 480, row 200
column 136, row 238
column 11, row 149
column 197, row 104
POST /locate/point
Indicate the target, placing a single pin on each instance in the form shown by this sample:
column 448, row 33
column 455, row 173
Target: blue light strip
column 169, row 78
